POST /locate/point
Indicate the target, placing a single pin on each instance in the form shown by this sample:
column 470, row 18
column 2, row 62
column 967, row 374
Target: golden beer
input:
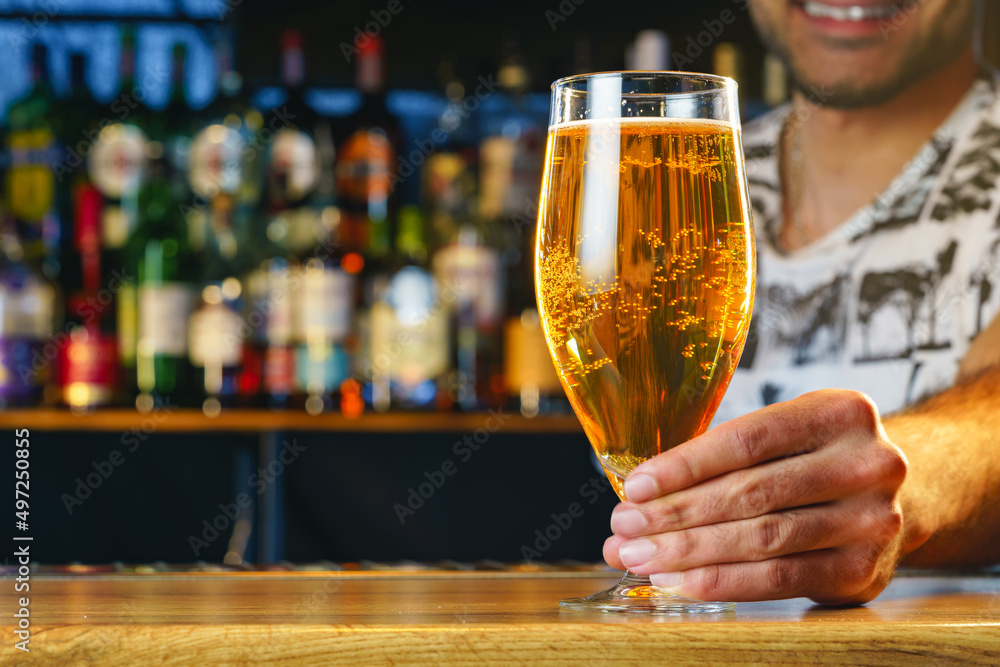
column 644, row 274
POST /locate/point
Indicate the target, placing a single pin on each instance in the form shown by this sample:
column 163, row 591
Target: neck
column 833, row 182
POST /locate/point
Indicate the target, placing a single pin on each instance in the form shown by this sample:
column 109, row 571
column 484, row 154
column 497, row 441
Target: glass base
column 634, row 594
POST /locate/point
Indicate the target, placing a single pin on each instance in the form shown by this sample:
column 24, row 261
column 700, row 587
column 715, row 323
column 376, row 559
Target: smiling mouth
column 849, row 13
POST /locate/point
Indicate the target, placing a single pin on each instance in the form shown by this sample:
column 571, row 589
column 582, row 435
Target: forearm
column 951, row 496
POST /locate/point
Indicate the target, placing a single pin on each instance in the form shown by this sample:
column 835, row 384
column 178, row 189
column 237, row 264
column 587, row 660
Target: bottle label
column 279, row 370
column 128, row 320
column 27, row 310
column 87, row 368
column 321, row 367
column 163, row 315
column 115, row 226
column 279, row 304
column 118, row 160
column 526, row 356
column 470, row 276
column 30, row 180
column 215, row 163
column 509, row 172
column 364, row 171
column 294, row 162
column 325, row 305
column 20, row 380
column 214, row 335
column 409, row 336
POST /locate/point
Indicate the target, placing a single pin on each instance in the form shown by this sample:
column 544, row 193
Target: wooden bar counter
column 458, row 618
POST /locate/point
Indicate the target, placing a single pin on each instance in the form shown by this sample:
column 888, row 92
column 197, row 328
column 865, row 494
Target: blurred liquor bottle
column 293, row 172
column 81, row 126
column 301, row 158
column 222, row 174
column 471, row 280
column 369, row 188
column 409, row 326
column 217, row 157
column 87, row 372
column 216, row 329
column 162, row 256
column 510, row 158
column 79, row 111
column 448, row 184
column 367, row 170
column 323, row 327
column 530, row 378
column 30, row 182
column 116, row 167
column 728, row 60
column 28, row 310
column 774, row 81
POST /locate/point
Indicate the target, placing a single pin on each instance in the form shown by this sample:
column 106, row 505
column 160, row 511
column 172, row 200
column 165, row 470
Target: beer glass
column 644, row 270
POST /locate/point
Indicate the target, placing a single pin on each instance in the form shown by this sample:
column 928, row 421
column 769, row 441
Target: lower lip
column 837, row 28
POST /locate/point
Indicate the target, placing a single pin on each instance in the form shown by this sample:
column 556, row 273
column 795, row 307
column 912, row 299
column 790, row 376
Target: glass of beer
column 644, row 270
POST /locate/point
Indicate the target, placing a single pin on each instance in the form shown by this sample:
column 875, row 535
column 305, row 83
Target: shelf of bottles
column 275, row 255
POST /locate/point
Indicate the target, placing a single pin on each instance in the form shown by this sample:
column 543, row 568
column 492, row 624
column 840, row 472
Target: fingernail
column 636, row 552
column 640, row 488
column 665, row 579
column 628, row 522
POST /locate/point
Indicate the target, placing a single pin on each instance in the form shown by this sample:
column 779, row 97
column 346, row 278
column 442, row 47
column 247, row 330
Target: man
column 877, row 210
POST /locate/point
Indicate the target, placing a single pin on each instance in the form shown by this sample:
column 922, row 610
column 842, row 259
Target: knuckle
column 678, row 547
column 691, row 470
column 861, row 410
column 708, row 583
column 860, row 567
column 893, row 464
column 666, row 516
column 755, row 499
column 778, row 576
column 768, row 535
column 890, row 522
column 749, row 440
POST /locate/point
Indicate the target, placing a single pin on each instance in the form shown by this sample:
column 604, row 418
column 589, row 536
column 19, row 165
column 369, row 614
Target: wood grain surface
column 469, row 618
column 185, row 420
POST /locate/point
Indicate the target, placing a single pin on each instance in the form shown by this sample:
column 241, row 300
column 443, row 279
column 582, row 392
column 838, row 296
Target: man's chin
column 845, row 91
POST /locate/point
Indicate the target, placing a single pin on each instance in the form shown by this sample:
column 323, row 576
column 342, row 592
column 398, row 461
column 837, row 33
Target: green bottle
column 164, row 266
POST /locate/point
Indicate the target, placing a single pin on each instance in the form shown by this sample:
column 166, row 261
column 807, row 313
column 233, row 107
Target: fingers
column 761, row 538
column 785, row 429
column 828, row 576
column 744, row 494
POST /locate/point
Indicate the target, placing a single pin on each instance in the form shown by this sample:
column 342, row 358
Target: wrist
column 921, row 515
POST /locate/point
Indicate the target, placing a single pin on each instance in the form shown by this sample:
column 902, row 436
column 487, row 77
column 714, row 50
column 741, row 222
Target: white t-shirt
column 888, row 302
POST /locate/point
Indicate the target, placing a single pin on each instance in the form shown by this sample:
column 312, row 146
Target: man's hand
column 797, row 499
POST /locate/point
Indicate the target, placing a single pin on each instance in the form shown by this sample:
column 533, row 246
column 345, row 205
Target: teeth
column 852, row 13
